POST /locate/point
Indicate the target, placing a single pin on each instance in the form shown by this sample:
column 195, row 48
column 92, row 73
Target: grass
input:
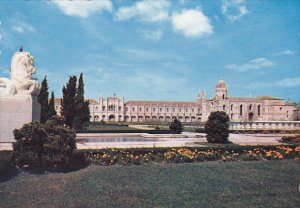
column 210, row 184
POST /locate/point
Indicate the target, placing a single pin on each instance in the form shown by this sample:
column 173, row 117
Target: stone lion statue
column 21, row 80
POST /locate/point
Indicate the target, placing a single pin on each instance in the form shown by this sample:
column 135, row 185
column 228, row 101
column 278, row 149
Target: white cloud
column 289, row 82
column 286, row 52
column 22, row 27
column 147, row 11
column 153, row 35
column 255, row 64
column 192, row 23
column 234, row 9
column 83, row 8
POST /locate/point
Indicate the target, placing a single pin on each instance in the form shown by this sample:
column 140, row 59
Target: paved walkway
column 166, row 140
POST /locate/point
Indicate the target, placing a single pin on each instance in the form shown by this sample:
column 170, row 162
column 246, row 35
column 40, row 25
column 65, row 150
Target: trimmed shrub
column 161, row 131
column 176, row 127
column 48, row 145
column 217, row 127
column 291, row 139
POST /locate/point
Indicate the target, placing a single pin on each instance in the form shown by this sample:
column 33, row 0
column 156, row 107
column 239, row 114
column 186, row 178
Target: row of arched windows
column 160, row 109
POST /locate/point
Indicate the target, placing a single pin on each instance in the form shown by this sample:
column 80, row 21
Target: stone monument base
column 15, row 111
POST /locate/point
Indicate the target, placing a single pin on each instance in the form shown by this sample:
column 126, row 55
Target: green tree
column 47, row 145
column 82, row 106
column 43, row 100
column 52, row 111
column 68, row 102
column 176, row 127
column 217, row 127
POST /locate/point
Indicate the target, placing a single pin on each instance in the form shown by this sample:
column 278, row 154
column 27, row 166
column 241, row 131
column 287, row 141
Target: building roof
column 92, row 101
column 57, row 101
column 161, row 103
column 269, row 98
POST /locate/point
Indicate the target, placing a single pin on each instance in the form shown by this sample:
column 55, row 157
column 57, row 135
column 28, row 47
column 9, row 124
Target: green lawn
column 211, row 184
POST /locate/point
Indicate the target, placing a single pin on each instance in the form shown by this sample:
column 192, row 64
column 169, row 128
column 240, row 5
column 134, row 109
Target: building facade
column 264, row 108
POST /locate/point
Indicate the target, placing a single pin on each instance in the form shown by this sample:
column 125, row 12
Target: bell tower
column 221, row 90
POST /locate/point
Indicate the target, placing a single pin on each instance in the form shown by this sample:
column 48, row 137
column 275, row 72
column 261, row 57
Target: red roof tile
column 169, row 103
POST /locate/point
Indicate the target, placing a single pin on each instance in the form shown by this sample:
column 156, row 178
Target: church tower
column 221, row 90
column 202, row 114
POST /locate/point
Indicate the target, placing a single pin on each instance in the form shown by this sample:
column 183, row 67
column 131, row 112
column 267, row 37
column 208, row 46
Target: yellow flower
column 269, row 153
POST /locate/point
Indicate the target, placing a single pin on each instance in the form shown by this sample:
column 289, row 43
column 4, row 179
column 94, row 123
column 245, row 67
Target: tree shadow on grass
column 43, row 170
column 8, row 173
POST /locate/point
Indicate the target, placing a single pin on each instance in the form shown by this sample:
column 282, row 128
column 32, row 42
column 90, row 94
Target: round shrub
column 47, row 145
column 176, row 127
column 217, row 127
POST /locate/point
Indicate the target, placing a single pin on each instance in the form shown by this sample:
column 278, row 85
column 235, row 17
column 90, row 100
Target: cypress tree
column 52, row 111
column 82, row 107
column 43, row 100
column 68, row 102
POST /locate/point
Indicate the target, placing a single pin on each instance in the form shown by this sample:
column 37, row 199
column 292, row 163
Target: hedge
column 125, row 131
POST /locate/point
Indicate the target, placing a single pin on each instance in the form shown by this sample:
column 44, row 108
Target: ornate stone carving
column 22, row 81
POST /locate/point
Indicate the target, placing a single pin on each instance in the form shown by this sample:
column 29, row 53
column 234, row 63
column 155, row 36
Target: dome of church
column 221, row 84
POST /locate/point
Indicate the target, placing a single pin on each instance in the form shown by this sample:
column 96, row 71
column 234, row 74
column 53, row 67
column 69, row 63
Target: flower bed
column 188, row 155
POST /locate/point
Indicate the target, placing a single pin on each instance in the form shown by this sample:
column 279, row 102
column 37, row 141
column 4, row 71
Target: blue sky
column 159, row 50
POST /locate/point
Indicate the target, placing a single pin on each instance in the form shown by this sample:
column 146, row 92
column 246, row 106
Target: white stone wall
column 160, row 112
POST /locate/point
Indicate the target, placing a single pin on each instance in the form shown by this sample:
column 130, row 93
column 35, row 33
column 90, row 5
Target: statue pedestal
column 15, row 111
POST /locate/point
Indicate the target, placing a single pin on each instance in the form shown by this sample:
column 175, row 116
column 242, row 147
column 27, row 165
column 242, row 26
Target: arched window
column 96, row 118
column 224, row 106
column 231, row 117
column 140, row 118
column 111, row 117
column 250, row 107
column 231, row 107
column 241, row 110
column 258, row 110
column 223, row 96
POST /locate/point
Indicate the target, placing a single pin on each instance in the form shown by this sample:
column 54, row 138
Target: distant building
column 264, row 108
